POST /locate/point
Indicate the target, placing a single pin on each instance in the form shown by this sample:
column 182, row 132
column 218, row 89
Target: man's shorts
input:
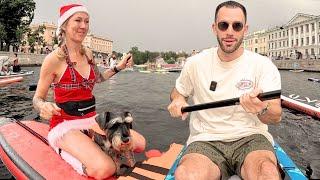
column 229, row 156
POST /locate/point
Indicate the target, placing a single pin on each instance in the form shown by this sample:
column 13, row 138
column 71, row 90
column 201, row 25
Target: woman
column 73, row 74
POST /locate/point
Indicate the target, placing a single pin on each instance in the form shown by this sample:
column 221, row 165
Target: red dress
column 72, row 87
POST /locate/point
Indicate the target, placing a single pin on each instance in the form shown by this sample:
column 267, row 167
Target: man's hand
column 175, row 108
column 251, row 103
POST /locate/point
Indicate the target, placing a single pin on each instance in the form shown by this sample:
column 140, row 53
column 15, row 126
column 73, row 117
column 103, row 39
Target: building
column 256, row 42
column 101, row 47
column 49, row 32
column 299, row 38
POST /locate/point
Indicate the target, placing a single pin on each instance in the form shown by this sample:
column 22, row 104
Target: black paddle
column 230, row 102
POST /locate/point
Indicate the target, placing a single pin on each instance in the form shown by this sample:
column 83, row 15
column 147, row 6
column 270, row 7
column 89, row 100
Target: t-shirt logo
column 244, row 84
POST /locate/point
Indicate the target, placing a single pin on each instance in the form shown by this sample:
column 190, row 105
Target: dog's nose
column 125, row 139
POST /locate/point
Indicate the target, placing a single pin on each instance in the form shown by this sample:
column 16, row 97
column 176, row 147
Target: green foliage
column 35, row 37
column 15, row 18
column 169, row 57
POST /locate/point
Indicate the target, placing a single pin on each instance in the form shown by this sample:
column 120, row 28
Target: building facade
column 101, row 47
column 256, row 42
column 298, row 39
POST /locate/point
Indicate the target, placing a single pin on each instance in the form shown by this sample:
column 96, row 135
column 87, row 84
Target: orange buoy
column 153, row 153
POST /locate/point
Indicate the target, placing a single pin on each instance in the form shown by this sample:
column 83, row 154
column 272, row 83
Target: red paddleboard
column 7, row 81
column 27, row 157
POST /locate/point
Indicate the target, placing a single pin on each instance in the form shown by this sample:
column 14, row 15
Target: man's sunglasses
column 237, row 26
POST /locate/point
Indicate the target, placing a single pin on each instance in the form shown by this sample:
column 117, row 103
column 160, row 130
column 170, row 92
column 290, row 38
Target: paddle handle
column 230, row 102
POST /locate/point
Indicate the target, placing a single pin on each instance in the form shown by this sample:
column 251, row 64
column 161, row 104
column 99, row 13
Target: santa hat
column 67, row 11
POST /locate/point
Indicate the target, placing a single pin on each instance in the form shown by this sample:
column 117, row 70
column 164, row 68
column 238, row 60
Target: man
column 16, row 67
column 112, row 61
column 234, row 139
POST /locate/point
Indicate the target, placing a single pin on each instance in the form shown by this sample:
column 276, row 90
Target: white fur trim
column 56, row 133
column 68, row 14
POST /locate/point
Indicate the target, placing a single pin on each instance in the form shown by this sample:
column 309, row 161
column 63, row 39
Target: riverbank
column 310, row 65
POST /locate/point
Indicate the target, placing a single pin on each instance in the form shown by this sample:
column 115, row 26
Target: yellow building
column 99, row 45
column 256, row 42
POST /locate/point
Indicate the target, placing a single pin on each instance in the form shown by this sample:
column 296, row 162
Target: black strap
column 153, row 168
column 139, row 176
column 148, row 167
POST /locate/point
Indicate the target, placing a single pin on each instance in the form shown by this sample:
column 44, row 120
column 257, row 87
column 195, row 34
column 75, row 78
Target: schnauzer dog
column 117, row 142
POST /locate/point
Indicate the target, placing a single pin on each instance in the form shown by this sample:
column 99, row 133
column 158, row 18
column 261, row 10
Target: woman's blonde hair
column 61, row 52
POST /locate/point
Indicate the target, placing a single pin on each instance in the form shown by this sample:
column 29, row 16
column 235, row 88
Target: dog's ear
column 128, row 119
column 103, row 119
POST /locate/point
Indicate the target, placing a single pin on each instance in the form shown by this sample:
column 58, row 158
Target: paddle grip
column 230, row 102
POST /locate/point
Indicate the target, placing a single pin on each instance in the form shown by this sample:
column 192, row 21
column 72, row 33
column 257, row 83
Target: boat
column 174, row 69
column 6, row 81
column 302, row 104
column 314, row 79
column 296, row 70
column 16, row 74
column 25, row 152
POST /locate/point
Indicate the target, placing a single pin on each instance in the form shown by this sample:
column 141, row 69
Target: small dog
column 117, row 142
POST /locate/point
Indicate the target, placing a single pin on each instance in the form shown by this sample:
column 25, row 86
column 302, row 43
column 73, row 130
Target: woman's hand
column 48, row 109
column 126, row 62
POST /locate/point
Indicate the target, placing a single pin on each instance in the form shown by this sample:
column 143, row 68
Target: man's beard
column 229, row 51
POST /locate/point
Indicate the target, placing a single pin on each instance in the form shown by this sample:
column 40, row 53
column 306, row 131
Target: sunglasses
column 237, row 26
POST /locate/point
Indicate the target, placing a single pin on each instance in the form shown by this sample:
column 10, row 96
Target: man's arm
column 177, row 102
column 271, row 113
column 268, row 112
column 176, row 95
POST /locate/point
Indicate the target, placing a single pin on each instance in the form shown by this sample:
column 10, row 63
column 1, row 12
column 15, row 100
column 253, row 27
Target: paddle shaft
column 32, row 131
column 230, row 102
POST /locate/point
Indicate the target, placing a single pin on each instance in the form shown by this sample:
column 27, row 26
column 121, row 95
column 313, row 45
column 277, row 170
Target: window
column 292, row 43
column 279, row 34
column 283, row 34
column 275, row 35
column 307, row 41
column 296, row 30
column 301, row 29
column 313, row 39
column 256, row 41
column 288, row 32
column 297, row 42
column 301, row 41
column 312, row 27
column 307, row 28
column 312, row 51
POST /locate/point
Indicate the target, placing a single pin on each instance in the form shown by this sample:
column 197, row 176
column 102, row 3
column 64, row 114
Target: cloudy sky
column 163, row 25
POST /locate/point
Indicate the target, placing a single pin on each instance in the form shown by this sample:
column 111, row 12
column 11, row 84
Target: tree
column 15, row 18
column 36, row 37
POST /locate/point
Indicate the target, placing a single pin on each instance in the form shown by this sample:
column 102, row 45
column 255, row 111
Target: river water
column 146, row 96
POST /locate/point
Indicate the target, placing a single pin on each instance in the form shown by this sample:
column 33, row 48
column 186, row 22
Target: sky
column 170, row 25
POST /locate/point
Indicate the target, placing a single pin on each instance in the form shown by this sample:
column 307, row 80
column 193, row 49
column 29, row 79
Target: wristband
column 263, row 111
column 115, row 69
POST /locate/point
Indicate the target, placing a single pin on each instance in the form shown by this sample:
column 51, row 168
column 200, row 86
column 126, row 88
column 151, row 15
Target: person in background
column 235, row 139
column 72, row 71
column 16, row 67
column 112, row 61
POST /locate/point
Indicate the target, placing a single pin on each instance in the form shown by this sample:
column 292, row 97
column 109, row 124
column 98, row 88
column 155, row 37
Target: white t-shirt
column 233, row 79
